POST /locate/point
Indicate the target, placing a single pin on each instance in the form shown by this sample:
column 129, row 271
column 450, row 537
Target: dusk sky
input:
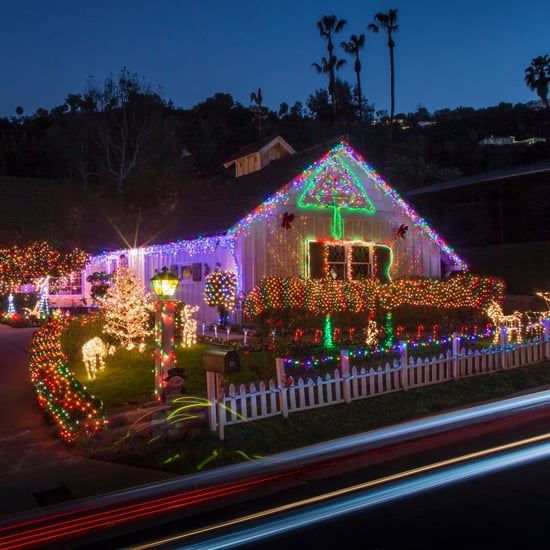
column 469, row 53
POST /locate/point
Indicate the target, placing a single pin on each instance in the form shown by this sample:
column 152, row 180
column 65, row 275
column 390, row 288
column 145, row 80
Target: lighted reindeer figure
column 94, row 352
column 512, row 323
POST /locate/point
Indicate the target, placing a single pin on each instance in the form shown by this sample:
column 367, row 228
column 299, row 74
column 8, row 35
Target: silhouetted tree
column 537, row 77
column 388, row 23
column 129, row 117
column 328, row 26
column 353, row 48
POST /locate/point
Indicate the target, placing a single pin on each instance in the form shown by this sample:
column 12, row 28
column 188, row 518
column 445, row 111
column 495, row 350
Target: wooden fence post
column 404, row 378
column 281, row 383
column 456, row 355
column 212, row 395
column 346, row 375
column 546, row 338
column 503, row 342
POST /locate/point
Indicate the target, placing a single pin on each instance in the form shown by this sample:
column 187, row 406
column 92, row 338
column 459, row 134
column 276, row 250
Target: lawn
column 128, row 378
column 126, row 388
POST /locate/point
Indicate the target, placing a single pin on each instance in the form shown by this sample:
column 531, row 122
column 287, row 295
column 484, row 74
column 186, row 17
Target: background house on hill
column 258, row 155
column 318, row 213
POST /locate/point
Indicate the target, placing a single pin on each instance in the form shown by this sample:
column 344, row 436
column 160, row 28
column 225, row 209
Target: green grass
column 199, row 448
column 128, row 378
column 127, row 384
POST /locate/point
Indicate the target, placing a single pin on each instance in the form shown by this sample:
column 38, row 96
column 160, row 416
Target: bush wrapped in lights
column 61, row 396
column 25, row 264
column 329, row 296
column 220, row 289
column 315, row 295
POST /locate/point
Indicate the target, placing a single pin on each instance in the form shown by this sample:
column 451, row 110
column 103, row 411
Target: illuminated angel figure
column 41, row 309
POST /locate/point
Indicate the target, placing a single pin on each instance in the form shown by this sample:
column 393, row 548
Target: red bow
column 287, row 219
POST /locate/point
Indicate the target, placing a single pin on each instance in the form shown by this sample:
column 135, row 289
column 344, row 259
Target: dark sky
column 469, row 53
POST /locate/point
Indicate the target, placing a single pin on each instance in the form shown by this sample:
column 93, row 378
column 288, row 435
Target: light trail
column 87, row 519
column 71, row 519
column 423, row 479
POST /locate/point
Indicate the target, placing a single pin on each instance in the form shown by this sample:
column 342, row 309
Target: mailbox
column 222, row 361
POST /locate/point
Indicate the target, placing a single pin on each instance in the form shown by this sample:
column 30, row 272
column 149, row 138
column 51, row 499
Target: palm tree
column 352, row 48
column 328, row 26
column 329, row 67
column 388, row 22
column 537, row 77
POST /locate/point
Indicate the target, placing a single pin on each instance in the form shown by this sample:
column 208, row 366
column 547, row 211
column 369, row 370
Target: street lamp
column 164, row 286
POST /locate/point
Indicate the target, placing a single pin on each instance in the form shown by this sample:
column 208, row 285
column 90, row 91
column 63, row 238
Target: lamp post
column 164, row 287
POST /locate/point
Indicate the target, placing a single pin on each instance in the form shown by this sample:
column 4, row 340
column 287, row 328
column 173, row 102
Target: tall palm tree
column 388, row 22
column 328, row 26
column 352, row 48
column 537, row 77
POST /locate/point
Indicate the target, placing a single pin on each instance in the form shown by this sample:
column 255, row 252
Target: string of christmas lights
column 25, row 264
column 329, row 296
column 220, row 290
column 126, row 307
column 60, row 395
column 335, row 162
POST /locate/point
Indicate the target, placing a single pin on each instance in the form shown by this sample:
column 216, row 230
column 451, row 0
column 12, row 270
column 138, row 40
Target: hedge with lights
column 329, row 296
column 61, row 396
column 25, row 264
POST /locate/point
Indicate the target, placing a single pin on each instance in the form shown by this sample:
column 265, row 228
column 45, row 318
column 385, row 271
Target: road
column 508, row 508
column 484, row 512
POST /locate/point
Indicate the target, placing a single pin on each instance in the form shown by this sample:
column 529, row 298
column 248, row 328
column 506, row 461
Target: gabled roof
column 222, row 205
column 230, row 206
column 258, row 147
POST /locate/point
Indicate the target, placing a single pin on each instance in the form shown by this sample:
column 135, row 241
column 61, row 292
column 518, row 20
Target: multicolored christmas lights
column 220, row 289
column 61, row 396
column 25, row 264
column 333, row 186
column 329, row 296
column 340, row 159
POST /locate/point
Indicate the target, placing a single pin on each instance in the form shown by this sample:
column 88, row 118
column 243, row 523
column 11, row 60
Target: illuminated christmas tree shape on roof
column 333, row 186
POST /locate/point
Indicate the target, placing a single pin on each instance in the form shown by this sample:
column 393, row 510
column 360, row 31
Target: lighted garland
column 61, row 396
column 329, row 296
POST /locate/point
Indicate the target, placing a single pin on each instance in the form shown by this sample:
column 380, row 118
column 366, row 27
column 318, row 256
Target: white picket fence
column 234, row 405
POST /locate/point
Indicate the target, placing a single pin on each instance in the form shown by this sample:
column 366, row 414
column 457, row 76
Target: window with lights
column 341, row 260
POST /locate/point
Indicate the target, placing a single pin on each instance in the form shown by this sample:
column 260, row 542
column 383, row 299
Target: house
column 258, row 155
column 498, row 220
column 510, row 140
column 317, row 213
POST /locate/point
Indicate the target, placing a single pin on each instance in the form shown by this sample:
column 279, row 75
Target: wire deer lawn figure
column 94, row 352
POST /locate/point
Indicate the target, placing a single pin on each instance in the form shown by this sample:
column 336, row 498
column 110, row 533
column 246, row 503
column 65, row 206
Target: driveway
column 36, row 467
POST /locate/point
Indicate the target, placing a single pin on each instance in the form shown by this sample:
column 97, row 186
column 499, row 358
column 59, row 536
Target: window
column 360, row 262
column 69, row 285
column 342, row 260
column 335, row 261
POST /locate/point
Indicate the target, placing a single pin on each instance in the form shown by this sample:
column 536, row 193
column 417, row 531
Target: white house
column 320, row 212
